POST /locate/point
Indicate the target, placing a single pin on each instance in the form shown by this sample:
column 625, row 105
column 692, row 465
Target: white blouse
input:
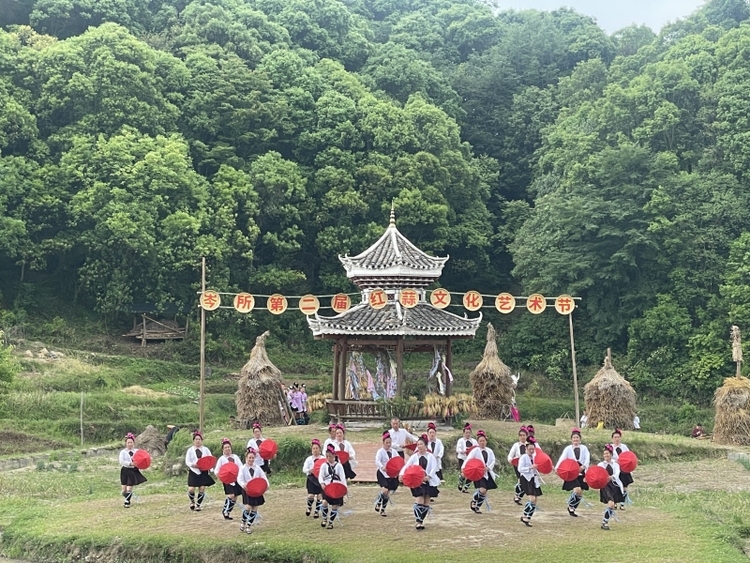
column 244, row 477
column 489, row 465
column 568, row 453
column 126, row 459
column 191, row 459
column 431, row 470
column 381, row 459
column 224, row 460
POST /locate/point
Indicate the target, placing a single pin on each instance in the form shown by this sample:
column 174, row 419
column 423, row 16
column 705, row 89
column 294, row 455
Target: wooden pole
column 203, row 347
column 449, row 365
column 575, row 370
column 81, row 419
column 335, row 390
column 342, row 370
column 399, row 366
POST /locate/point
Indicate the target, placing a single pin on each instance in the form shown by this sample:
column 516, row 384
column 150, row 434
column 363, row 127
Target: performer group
column 330, row 466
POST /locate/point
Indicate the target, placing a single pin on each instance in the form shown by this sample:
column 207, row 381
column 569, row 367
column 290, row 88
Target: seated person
column 697, row 431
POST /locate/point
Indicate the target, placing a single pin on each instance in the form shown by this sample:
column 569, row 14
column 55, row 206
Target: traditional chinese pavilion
column 394, row 314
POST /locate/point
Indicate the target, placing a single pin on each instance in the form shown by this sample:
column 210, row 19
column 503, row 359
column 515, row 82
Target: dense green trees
column 270, row 136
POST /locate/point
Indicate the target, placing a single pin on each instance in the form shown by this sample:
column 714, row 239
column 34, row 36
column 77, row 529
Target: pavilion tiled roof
column 395, row 320
column 393, row 255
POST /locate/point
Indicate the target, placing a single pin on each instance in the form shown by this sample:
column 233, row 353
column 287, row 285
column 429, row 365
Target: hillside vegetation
column 270, row 136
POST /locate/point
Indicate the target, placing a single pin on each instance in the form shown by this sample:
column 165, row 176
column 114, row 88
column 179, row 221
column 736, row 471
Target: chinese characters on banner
column 377, row 299
column 309, row 304
column 536, row 303
column 564, row 304
column 341, row 302
column 505, row 303
column 244, row 302
column 210, row 300
column 440, row 298
column 408, row 298
column 277, row 304
column 473, row 300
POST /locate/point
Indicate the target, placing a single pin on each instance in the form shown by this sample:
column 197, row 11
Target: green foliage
column 9, row 365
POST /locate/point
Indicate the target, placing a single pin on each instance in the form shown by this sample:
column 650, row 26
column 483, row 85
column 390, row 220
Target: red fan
column 597, row 477
column 543, row 462
column 514, row 461
column 628, row 461
column 567, row 470
column 256, row 487
column 267, row 449
column 316, row 467
column 413, row 476
column 343, row 456
column 410, row 447
column 206, row 462
column 335, row 490
column 142, row 459
column 394, row 466
column 228, row 473
column 473, row 469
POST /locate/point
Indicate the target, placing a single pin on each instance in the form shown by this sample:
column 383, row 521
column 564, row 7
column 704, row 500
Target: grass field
column 683, row 511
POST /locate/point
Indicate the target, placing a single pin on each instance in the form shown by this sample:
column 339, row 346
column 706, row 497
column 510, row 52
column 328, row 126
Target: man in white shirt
column 636, row 422
column 399, row 436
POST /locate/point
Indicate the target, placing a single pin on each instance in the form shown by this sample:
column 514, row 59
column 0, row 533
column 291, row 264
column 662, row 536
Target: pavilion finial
column 393, row 213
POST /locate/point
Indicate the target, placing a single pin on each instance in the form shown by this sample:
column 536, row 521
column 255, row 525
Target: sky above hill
column 612, row 15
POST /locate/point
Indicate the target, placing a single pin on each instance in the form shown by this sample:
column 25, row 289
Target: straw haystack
column 259, row 388
column 491, row 381
column 732, row 402
column 152, row 441
column 610, row 398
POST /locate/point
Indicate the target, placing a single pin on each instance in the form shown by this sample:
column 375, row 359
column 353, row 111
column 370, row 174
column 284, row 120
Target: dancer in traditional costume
column 429, row 487
column 255, row 443
column 580, row 454
column 231, row 490
column 514, row 455
column 464, row 443
column 331, row 472
column 387, row 484
column 249, row 472
column 314, row 492
column 342, row 445
column 612, row 492
column 531, row 482
column 487, row 482
column 197, row 479
column 399, row 436
column 625, row 478
column 435, row 445
column 331, row 437
column 130, row 475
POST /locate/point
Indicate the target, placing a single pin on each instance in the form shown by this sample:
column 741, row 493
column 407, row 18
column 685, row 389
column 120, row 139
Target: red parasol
column 206, row 462
column 628, row 461
column 267, row 449
column 343, row 456
column 473, row 469
column 568, row 470
column 142, row 459
column 228, row 473
column 514, row 461
column 394, row 466
column 256, row 487
column 335, row 490
column 413, row 476
column 317, row 465
column 410, row 447
column 543, row 462
column 597, row 477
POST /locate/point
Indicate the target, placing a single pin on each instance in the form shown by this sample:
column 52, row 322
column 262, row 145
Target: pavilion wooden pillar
column 399, row 366
column 342, row 370
column 336, row 351
column 449, row 365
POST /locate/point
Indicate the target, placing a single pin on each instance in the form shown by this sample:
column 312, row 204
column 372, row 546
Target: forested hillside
column 271, row 136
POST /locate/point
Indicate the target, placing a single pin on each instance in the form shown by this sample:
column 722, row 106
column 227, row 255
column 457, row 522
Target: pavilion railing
column 375, row 410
